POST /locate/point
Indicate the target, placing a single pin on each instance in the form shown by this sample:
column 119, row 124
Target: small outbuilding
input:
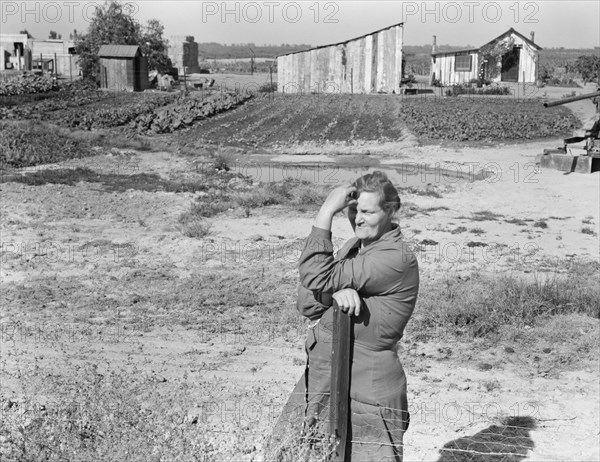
column 510, row 57
column 123, row 68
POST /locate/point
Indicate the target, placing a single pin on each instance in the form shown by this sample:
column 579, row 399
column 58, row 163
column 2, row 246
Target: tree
column 53, row 35
column 25, row 31
column 113, row 24
column 155, row 47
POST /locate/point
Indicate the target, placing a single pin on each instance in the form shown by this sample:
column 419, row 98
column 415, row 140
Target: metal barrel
column 570, row 100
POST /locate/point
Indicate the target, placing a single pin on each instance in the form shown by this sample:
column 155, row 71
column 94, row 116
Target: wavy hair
column 378, row 182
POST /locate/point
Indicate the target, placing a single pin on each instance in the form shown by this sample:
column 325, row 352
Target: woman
column 375, row 280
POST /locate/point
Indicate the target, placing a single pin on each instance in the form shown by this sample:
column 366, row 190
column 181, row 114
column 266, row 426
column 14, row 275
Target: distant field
column 311, row 118
column 352, row 120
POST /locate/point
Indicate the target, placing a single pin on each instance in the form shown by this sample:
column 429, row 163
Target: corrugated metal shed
column 118, row 51
column 366, row 64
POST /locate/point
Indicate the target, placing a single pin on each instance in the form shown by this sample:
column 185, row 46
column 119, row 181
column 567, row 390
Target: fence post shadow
column 507, row 442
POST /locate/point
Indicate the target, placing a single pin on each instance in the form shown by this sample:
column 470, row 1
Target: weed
column 192, row 226
column 427, row 192
column 90, row 413
column 491, row 385
column 288, row 192
column 516, row 221
column 435, row 209
column 458, row 230
column 477, row 231
column 588, row 220
column 207, row 209
column 541, row 224
column 476, row 244
column 481, row 305
column 221, row 163
column 588, row 230
column 486, row 215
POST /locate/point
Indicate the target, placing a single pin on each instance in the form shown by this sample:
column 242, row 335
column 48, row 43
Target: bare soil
column 96, row 276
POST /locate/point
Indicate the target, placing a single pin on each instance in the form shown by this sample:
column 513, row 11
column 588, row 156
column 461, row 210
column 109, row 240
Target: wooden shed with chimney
column 371, row 63
column 510, row 57
column 123, row 68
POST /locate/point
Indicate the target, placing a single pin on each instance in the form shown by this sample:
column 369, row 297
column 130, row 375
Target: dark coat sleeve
column 375, row 273
column 313, row 304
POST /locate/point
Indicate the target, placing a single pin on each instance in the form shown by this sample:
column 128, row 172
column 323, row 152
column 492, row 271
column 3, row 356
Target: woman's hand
column 349, row 301
column 337, row 200
column 340, row 198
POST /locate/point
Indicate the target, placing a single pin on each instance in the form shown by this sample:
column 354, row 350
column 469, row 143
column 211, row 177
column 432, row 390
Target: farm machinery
column 585, row 160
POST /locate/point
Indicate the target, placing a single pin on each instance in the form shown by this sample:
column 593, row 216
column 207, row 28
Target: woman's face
column 369, row 221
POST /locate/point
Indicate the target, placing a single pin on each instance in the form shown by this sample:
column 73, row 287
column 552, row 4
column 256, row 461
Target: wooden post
column 271, row 77
column 351, row 81
column 55, row 66
column 340, row 381
column 42, row 63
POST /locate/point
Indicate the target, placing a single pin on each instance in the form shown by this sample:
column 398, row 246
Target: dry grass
column 482, row 306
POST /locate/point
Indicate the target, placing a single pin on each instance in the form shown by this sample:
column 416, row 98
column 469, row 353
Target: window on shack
column 462, row 63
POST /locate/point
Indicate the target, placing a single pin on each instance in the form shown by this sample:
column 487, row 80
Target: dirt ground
column 102, row 248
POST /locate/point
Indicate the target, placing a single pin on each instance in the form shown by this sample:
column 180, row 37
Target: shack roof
column 512, row 31
column 345, row 41
column 118, row 51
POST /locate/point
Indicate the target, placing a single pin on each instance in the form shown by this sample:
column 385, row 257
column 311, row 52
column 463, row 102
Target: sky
column 568, row 24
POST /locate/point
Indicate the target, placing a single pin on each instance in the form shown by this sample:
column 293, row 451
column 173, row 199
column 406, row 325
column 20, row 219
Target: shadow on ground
column 508, row 442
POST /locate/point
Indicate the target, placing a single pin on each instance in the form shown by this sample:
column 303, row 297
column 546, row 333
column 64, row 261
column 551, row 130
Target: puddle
column 402, row 175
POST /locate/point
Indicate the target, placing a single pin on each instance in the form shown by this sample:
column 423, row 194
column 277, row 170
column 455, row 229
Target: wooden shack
column 371, row 63
column 510, row 57
column 123, row 68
